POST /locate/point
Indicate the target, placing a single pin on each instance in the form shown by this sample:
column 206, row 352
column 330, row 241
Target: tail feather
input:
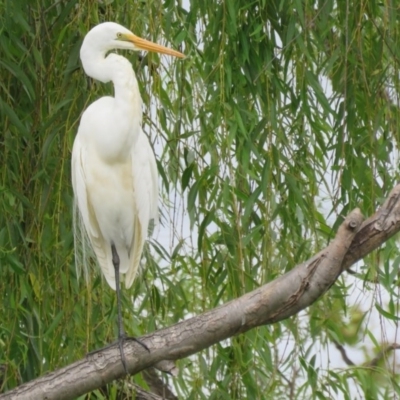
column 135, row 254
column 104, row 258
column 101, row 248
column 81, row 244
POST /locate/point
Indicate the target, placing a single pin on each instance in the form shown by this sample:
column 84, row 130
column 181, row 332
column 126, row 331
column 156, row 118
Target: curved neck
column 119, row 70
column 124, row 115
column 126, row 87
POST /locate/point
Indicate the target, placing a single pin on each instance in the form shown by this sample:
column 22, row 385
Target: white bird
column 114, row 172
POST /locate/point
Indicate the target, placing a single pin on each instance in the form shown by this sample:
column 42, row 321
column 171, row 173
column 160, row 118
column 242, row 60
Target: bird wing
column 145, row 184
column 86, row 216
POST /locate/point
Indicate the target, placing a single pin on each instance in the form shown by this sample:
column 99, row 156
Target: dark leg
column 121, row 331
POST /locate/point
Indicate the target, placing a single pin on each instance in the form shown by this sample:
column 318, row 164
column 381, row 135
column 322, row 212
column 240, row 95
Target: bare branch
column 383, row 353
column 343, row 352
column 376, row 230
column 370, row 364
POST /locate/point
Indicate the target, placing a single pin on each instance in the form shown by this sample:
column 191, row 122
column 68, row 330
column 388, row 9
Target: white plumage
column 114, row 172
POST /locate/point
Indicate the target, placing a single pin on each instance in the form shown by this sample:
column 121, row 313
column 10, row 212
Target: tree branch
column 383, row 353
column 376, row 230
column 343, row 352
column 275, row 301
column 370, row 364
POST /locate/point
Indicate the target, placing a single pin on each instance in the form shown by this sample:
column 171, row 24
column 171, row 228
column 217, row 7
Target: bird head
column 109, row 35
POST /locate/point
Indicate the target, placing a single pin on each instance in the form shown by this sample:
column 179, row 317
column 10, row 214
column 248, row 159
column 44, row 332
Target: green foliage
column 283, row 118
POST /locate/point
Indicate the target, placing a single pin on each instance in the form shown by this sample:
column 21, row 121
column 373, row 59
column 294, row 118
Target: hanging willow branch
column 273, row 302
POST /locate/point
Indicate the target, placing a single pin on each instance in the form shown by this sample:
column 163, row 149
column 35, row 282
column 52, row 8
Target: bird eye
column 119, row 35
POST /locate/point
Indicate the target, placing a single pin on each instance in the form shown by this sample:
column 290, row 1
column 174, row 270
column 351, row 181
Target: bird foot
column 120, row 343
column 124, row 337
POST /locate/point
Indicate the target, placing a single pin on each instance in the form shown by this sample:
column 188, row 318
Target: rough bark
column 273, row 302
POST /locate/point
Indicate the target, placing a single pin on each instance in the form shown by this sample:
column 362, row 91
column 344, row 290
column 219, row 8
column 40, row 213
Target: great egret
column 114, row 172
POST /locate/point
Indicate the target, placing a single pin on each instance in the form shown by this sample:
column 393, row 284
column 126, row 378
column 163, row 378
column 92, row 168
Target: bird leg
column 115, row 261
column 121, row 332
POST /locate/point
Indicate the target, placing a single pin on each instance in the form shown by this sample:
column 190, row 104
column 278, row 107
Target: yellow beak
column 144, row 44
